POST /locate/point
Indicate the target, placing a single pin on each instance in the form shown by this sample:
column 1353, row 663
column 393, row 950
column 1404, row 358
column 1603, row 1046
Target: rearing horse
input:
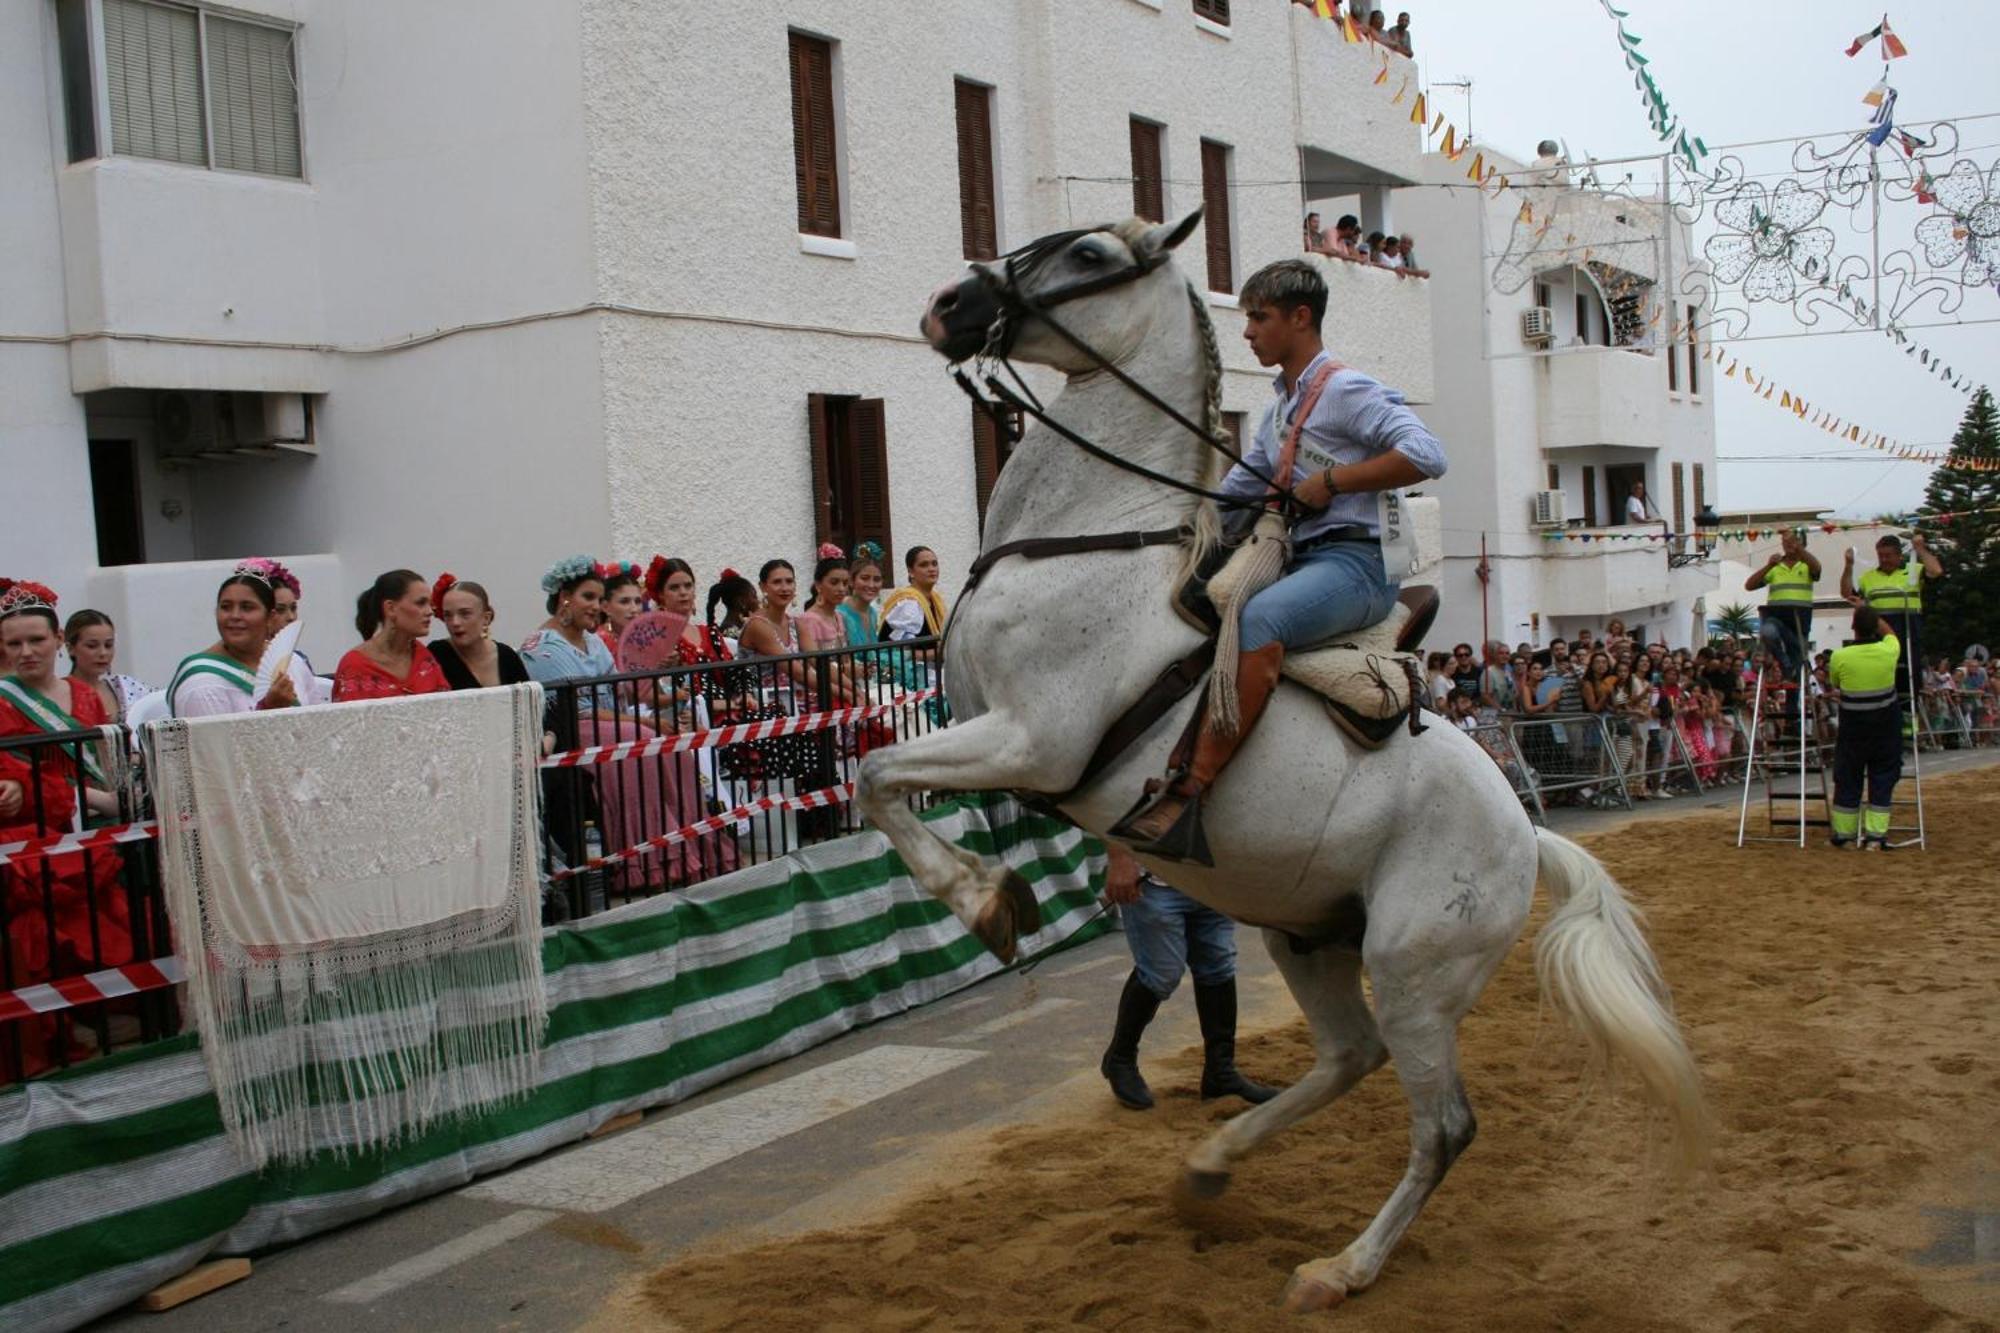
column 1415, row 861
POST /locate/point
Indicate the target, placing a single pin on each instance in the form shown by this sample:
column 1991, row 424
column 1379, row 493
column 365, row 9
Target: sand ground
column 1841, row 1007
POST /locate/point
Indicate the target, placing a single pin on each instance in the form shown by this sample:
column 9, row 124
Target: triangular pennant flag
column 1892, row 45
column 1527, row 213
column 1382, row 74
column 1478, row 169
column 1401, row 92
column 1786, row 401
column 1874, row 96
column 1420, row 111
column 1353, row 38
column 1450, row 146
column 1854, row 47
column 1437, row 124
column 1323, row 8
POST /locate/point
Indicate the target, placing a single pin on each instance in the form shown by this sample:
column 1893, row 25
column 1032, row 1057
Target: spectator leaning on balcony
column 1315, row 240
column 1405, row 249
column 1346, row 237
column 1372, row 251
column 1399, row 36
column 1638, row 508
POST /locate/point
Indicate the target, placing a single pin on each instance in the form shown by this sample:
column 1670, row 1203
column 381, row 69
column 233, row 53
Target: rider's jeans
column 1329, row 590
column 1170, row 933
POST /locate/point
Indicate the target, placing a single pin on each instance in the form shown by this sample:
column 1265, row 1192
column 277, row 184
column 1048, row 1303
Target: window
column 1149, row 189
column 182, row 85
column 1215, row 214
column 114, row 498
column 1680, row 503
column 1542, row 294
column 1700, row 488
column 1673, row 366
column 1582, row 318
column 1215, row 11
column 1694, row 359
column 1555, row 477
column 1589, row 496
column 815, row 162
column 992, row 444
column 977, row 224
column 850, row 470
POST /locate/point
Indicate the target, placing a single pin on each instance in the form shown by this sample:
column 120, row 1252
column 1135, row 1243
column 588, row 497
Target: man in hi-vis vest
column 1785, row 623
column 1870, row 746
column 1894, row 589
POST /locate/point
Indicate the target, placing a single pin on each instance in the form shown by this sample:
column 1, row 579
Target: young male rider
column 1348, row 436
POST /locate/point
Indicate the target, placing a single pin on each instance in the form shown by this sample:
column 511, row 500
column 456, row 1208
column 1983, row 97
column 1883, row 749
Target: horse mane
column 1205, row 521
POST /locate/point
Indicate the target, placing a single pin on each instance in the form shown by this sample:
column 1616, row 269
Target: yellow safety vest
column 1789, row 585
column 1865, row 674
column 1898, row 591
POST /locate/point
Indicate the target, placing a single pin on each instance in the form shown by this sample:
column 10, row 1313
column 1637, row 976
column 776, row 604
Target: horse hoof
column 1027, row 912
column 1205, row 1184
column 1308, row 1295
column 995, row 927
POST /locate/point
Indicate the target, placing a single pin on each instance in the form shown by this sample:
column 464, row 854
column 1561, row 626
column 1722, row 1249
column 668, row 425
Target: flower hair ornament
column 831, row 551
column 656, row 577
column 18, row 595
column 869, row 551
column 728, row 574
column 445, row 583
column 569, row 569
column 611, row 569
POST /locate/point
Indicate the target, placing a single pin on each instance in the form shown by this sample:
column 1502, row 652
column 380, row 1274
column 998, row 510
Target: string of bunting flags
column 1829, row 526
column 1687, row 147
column 1768, row 389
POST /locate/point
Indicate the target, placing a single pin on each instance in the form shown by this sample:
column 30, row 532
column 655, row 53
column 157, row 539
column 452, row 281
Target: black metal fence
column 654, row 781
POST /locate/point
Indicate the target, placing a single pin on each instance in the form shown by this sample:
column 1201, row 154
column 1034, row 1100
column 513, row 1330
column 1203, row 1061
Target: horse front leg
column 987, row 753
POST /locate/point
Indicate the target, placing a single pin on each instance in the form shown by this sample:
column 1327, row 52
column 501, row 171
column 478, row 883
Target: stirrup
column 1184, row 840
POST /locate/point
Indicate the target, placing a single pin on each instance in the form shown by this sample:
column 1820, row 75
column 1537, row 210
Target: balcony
column 1601, row 581
column 1381, row 325
column 1598, row 396
column 1342, row 111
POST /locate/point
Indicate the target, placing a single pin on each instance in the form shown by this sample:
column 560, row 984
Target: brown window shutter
column 977, row 221
column 1673, row 365
column 992, row 444
column 1555, row 477
column 1590, row 497
column 1215, row 215
column 1700, row 488
column 1694, row 357
column 1149, row 195
column 815, row 168
column 1680, row 498
column 819, row 426
column 1216, row 11
column 868, row 436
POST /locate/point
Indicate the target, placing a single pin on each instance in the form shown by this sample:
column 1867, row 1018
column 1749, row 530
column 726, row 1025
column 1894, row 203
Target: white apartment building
column 1555, row 398
column 475, row 284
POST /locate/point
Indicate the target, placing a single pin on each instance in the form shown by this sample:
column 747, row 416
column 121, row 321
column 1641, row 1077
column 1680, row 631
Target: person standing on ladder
column 1870, row 745
column 1895, row 590
column 1785, row 623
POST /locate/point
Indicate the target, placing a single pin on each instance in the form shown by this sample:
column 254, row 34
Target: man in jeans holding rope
column 1333, row 438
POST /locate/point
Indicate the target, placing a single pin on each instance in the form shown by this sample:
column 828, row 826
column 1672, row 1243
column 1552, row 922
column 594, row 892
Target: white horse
column 1416, row 860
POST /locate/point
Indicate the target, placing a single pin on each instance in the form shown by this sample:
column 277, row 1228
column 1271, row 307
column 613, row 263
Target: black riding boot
column 1216, row 1007
column 1136, row 1007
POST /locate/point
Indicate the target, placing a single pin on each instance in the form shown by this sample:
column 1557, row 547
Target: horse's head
column 1000, row 306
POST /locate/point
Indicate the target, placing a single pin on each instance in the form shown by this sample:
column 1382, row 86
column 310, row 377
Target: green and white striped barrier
column 116, row 1175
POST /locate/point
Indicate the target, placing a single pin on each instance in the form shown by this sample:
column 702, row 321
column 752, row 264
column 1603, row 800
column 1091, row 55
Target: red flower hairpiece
column 728, row 573
column 445, row 583
column 17, row 595
column 656, row 577
column 831, row 551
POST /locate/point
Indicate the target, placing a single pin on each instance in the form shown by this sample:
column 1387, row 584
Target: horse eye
column 1089, row 254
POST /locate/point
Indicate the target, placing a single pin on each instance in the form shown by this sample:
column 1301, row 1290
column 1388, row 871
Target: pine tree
column 1963, row 607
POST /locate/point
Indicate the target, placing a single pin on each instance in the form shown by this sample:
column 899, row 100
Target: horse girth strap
column 1043, row 548
column 1172, row 685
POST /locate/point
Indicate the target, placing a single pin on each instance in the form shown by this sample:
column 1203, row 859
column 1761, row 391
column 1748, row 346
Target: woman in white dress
column 221, row 678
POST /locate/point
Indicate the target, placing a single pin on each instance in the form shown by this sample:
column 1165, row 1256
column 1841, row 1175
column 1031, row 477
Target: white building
column 1598, row 389
column 479, row 284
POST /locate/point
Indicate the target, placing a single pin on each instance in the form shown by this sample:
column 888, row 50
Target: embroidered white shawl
column 355, row 892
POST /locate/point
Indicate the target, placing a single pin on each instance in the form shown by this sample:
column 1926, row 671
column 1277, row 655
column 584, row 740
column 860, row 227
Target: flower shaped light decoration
column 1968, row 229
column 1769, row 242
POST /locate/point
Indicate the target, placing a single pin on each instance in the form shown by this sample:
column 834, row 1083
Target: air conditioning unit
column 1538, row 326
column 1551, row 510
column 193, row 426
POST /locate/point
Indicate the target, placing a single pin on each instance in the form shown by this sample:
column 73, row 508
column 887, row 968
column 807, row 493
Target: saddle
column 1370, row 679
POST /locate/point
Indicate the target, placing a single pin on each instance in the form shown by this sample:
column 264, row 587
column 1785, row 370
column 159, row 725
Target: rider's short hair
column 1286, row 285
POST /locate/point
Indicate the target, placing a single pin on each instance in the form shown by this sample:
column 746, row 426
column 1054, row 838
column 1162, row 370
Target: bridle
column 1009, row 287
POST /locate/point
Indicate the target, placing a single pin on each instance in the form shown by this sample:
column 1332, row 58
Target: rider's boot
column 1215, row 1005
column 1167, row 821
column 1136, row 1007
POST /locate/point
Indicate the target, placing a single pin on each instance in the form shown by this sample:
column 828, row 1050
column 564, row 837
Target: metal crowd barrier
column 660, row 780
column 1954, row 720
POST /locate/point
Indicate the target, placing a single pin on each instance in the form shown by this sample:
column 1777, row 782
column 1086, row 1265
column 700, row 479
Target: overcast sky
column 1742, row 70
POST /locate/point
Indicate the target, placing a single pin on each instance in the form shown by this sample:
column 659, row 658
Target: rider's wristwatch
column 1326, row 475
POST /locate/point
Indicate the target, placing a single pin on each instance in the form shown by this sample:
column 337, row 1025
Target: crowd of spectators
column 1395, row 253
column 1371, row 22
column 1644, row 693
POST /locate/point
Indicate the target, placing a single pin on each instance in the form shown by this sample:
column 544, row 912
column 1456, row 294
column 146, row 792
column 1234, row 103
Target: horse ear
column 1165, row 236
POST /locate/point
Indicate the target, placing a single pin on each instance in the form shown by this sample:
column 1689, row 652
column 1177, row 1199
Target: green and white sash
column 210, row 664
column 52, row 719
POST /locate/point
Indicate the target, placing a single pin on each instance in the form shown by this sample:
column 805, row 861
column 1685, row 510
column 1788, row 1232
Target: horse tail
column 1593, row 960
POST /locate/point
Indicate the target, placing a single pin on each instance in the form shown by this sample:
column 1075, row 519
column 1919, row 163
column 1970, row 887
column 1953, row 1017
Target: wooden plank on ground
column 616, row 1123
column 197, row 1281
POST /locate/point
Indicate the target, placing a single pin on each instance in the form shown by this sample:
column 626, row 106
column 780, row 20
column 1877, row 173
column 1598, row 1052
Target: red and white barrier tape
column 734, row 734
column 811, row 800
column 47, row 997
column 35, row 849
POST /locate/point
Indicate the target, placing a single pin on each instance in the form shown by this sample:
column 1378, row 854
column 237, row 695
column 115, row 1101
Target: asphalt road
column 790, row 1148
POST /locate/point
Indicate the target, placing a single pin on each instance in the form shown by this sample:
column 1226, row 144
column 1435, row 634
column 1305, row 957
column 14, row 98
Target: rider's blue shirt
column 1356, row 418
